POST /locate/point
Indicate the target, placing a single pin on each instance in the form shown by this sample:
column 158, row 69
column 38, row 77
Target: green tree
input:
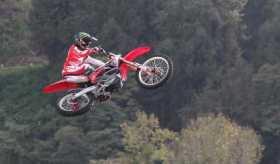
column 72, row 145
column 203, row 39
column 53, row 25
column 33, row 132
column 14, row 29
column 264, row 43
column 231, row 94
column 145, row 141
column 217, row 140
column 266, row 83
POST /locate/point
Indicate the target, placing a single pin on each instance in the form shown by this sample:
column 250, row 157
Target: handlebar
column 132, row 65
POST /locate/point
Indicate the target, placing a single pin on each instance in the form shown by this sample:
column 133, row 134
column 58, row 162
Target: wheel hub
column 75, row 105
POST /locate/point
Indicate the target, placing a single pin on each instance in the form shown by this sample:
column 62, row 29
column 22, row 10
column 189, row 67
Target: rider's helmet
column 83, row 39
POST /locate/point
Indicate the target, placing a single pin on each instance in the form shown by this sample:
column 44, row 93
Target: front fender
column 140, row 51
column 59, row 86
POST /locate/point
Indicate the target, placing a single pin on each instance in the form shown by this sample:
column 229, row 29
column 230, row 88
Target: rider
column 78, row 63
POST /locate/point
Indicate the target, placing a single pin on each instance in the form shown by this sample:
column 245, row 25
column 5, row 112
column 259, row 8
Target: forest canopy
column 226, row 64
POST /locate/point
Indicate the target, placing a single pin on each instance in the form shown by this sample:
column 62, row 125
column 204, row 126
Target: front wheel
column 155, row 72
column 67, row 106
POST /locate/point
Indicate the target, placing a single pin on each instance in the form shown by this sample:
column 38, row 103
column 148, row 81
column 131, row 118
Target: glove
column 99, row 50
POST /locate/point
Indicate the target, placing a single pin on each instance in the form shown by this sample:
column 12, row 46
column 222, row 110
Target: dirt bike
column 81, row 97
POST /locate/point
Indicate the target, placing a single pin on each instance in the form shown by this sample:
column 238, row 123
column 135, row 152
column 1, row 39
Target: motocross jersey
column 75, row 61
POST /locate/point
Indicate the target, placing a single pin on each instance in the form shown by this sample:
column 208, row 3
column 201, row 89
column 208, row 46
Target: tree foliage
column 225, row 54
column 208, row 139
column 145, row 141
column 32, row 131
column 217, row 140
column 14, row 30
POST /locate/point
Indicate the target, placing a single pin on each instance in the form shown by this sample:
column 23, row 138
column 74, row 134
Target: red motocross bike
column 81, row 97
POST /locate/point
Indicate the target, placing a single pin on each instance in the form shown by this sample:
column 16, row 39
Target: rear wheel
column 67, row 106
column 155, row 72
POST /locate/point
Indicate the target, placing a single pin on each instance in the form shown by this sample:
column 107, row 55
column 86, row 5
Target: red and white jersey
column 75, row 61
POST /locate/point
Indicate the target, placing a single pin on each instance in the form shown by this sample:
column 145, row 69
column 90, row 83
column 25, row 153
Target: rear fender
column 59, row 86
column 140, row 51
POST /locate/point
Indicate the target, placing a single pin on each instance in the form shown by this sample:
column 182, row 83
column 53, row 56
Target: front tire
column 68, row 107
column 160, row 69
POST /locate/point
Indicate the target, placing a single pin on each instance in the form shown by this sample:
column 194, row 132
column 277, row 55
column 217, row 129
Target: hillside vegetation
column 226, row 80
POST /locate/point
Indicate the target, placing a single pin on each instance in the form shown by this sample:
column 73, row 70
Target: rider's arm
column 94, row 61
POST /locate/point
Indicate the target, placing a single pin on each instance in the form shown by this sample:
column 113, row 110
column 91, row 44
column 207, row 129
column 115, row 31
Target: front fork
column 137, row 67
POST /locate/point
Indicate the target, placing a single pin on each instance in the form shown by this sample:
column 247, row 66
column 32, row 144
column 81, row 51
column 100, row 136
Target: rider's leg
column 88, row 69
column 79, row 74
column 92, row 76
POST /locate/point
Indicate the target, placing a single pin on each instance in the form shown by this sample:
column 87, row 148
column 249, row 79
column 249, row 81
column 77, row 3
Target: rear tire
column 65, row 105
column 165, row 65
